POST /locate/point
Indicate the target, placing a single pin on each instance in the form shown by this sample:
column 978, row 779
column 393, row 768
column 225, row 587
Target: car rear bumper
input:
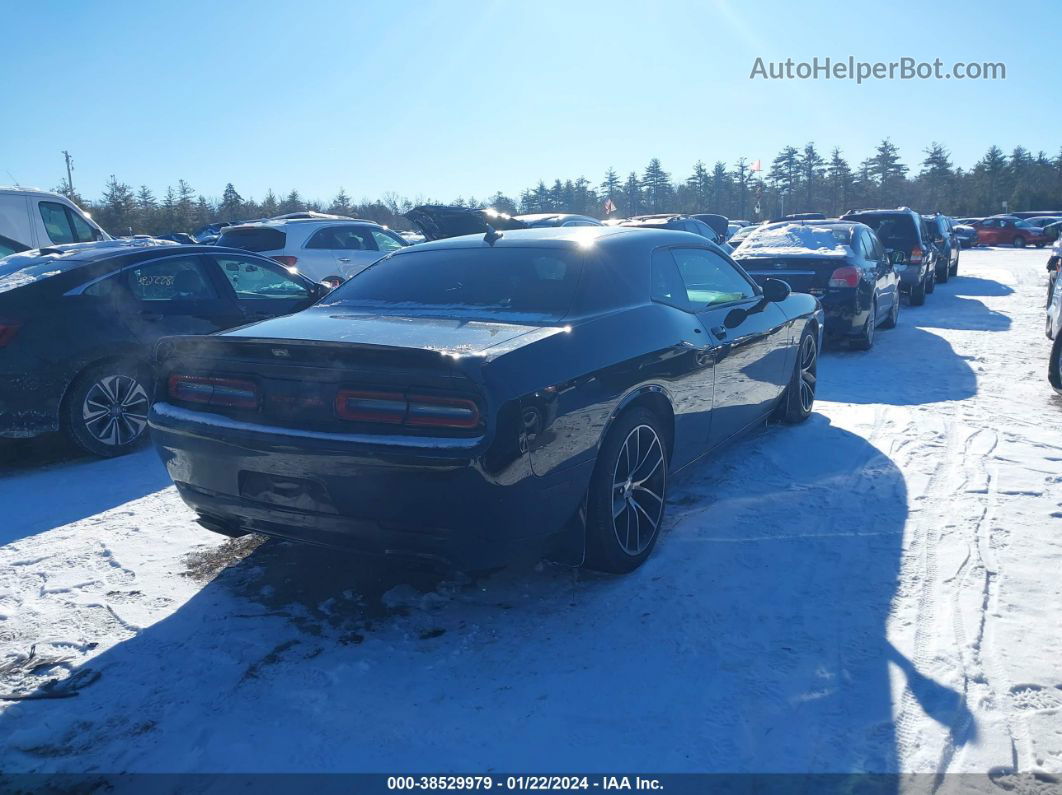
column 395, row 496
column 843, row 314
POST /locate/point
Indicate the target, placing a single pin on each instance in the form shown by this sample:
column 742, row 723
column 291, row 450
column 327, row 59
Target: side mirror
column 332, row 282
column 776, row 291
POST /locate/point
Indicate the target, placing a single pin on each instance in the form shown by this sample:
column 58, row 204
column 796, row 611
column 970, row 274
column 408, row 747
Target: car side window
column 384, row 241
column 56, row 223
column 170, row 279
column 709, row 279
column 879, row 250
column 252, row 279
column 859, row 247
column 666, row 286
column 65, row 226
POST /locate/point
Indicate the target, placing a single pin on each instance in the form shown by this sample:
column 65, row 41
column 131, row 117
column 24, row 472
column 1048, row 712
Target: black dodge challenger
column 471, row 398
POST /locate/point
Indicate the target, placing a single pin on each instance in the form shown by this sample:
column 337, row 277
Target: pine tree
column 632, row 195
column 700, row 186
column 341, row 204
column 784, row 175
column 292, row 203
column 231, row 207
column 936, row 175
column 841, row 183
column 502, row 203
column 812, row 171
column 611, row 185
column 656, row 186
column 184, row 212
column 990, row 174
column 146, row 211
column 887, row 172
column 117, row 211
column 270, row 206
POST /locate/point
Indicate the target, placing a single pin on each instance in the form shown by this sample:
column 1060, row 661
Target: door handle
column 343, row 259
column 719, row 331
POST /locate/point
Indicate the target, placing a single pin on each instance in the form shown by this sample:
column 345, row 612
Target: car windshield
column 832, row 239
column 532, row 281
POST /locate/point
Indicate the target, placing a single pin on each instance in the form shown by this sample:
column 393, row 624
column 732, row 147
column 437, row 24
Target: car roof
column 67, row 257
column 280, row 223
column 36, row 191
column 562, row 236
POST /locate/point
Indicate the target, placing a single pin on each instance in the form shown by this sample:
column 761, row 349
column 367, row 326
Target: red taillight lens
column 8, row 332
column 286, row 261
column 357, row 406
column 916, row 255
column 845, row 277
column 227, row 392
column 442, row 412
column 417, row 411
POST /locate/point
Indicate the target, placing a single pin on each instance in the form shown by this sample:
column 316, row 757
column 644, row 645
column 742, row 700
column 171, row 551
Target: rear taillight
column 845, row 277
column 916, row 255
column 442, row 412
column 223, row 392
column 8, row 332
column 416, row 411
column 357, row 406
column 288, row 262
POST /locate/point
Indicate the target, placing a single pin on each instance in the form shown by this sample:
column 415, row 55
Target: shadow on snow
column 753, row 640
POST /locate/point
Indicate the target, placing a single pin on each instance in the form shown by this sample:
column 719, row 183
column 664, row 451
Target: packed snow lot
column 879, row 589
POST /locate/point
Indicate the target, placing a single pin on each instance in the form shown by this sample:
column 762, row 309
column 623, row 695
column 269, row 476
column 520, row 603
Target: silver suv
column 319, row 247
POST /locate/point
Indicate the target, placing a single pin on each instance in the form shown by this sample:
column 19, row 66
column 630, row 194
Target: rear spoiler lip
column 165, row 345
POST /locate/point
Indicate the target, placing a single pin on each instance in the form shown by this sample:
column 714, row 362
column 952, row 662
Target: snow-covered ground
column 878, row 589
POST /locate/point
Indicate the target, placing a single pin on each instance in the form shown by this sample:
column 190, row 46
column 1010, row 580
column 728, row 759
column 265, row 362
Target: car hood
column 438, row 221
column 453, row 336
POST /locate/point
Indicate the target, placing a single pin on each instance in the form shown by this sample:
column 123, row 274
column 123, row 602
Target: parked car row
column 533, row 381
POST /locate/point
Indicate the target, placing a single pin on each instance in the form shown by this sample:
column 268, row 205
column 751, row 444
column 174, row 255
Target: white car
column 319, row 247
column 40, row 218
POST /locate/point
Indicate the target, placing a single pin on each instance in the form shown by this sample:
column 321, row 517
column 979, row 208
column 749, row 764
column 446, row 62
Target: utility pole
column 69, row 171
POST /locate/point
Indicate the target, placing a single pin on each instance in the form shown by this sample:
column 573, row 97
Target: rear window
column 253, row 238
column 894, row 230
column 800, row 238
column 535, row 281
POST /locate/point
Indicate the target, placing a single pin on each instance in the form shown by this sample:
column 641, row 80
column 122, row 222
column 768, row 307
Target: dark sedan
column 440, row 221
column 469, row 398
column 842, row 263
column 944, row 237
column 78, row 324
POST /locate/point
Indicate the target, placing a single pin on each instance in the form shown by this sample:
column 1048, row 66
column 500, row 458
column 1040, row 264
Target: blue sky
column 441, row 99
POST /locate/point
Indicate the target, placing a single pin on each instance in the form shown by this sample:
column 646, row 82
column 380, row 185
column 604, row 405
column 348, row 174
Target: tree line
column 798, row 179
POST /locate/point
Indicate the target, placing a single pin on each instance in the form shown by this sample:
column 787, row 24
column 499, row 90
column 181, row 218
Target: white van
column 39, row 218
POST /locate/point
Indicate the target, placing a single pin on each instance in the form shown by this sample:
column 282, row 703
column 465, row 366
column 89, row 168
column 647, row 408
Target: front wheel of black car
column 106, row 410
column 942, row 275
column 931, row 281
column 798, row 399
column 625, row 505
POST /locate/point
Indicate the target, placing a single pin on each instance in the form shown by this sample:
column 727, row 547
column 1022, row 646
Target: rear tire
column 894, row 314
column 1054, row 365
column 1019, row 242
column 942, row 277
column 628, row 493
column 105, row 411
column 865, row 340
column 918, row 293
column 931, row 281
column 798, row 399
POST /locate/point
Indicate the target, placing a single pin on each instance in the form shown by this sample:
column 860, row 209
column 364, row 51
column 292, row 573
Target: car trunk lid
column 804, row 273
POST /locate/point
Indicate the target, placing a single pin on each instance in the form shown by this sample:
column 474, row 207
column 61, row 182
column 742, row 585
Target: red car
column 1001, row 231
